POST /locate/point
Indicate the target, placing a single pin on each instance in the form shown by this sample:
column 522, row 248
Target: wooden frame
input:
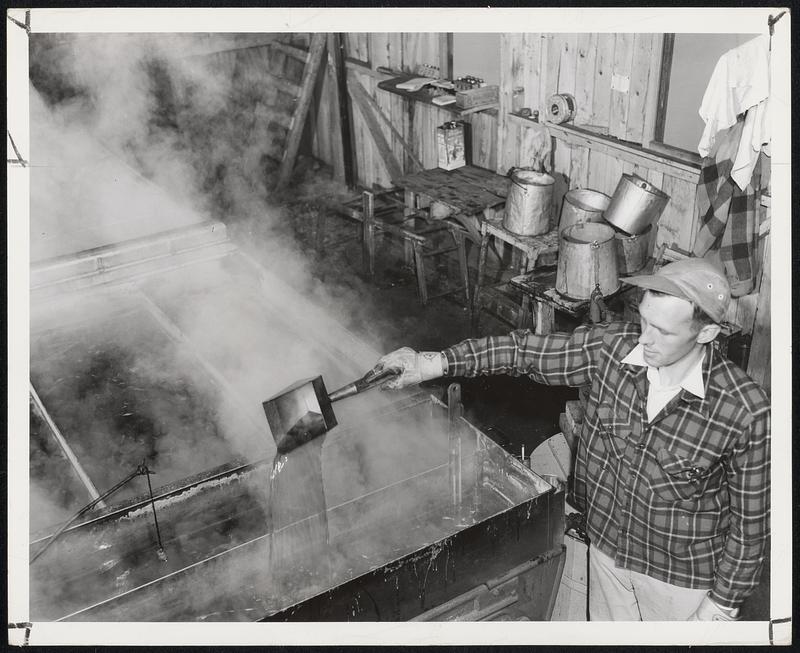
column 663, row 87
column 656, row 110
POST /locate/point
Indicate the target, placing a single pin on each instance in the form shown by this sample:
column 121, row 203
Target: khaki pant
column 617, row 594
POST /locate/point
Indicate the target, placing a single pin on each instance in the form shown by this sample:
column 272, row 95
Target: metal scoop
column 303, row 411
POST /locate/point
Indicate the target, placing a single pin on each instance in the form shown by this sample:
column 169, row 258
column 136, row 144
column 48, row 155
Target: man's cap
column 694, row 279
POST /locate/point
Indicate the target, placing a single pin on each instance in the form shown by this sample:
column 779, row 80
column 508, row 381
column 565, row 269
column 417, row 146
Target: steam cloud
column 130, row 137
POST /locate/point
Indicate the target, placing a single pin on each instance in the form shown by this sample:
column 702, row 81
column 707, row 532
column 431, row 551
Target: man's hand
column 710, row 611
column 415, row 367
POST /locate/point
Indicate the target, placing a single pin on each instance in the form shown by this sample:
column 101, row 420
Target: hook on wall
column 26, row 25
column 772, row 20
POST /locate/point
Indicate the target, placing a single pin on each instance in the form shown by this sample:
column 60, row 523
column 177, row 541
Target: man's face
column 668, row 331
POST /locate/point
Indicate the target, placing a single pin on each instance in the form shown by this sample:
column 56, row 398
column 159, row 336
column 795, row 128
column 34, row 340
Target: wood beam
column 345, row 110
column 653, row 84
column 337, row 138
column 281, row 83
column 291, row 50
column 625, row 151
column 663, row 87
column 301, row 109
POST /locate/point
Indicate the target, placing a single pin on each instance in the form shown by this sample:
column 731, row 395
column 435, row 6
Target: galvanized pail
column 635, row 205
column 582, row 205
column 587, row 257
column 529, row 202
column 632, row 251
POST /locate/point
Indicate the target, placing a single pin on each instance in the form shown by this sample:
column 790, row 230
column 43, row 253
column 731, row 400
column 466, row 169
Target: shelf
column 425, row 97
column 636, row 154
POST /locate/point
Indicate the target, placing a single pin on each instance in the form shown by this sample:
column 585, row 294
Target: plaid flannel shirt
column 685, row 498
column 728, row 214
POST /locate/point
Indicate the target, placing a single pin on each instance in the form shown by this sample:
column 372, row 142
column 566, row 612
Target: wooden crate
column 477, row 97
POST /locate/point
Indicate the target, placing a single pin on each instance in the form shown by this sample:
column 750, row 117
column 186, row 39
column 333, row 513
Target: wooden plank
column 663, row 87
column 292, row 50
column 378, row 49
column 759, row 363
column 551, row 65
column 604, row 69
column 655, row 177
column 596, row 175
column 420, row 48
column 531, row 69
column 640, row 83
column 337, row 128
column 508, row 44
column 357, row 46
column 321, row 131
column 376, row 107
column 584, row 78
column 446, row 54
column 533, row 141
column 515, row 80
column 674, row 227
column 484, row 128
column 399, row 115
column 620, row 85
column 568, row 59
column 579, row 167
column 653, row 80
column 359, row 95
column 382, row 177
column 614, row 169
column 630, row 152
column 299, row 117
column 383, row 109
column 562, row 164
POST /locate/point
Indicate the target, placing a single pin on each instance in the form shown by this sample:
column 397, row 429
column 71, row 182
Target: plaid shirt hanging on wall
column 728, row 214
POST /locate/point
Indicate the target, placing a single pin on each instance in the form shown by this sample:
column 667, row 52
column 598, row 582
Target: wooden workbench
column 467, row 190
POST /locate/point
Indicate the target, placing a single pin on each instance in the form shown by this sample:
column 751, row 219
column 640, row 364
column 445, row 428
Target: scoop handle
column 369, row 380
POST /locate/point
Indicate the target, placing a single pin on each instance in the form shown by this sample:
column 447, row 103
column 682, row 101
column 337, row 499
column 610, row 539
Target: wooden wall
column 614, row 79
column 415, row 123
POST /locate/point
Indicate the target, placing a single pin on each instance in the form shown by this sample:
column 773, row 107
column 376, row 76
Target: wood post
column 301, row 110
column 368, row 244
column 338, row 115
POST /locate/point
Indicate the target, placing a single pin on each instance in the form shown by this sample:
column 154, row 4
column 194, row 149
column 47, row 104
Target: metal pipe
column 475, row 592
column 85, row 509
column 161, row 553
column 73, row 459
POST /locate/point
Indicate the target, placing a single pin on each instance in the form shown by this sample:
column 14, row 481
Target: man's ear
column 707, row 333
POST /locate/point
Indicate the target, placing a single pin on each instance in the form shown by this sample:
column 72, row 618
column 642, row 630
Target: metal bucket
column 587, row 257
column 632, row 251
column 636, row 204
column 529, row 202
column 582, row 205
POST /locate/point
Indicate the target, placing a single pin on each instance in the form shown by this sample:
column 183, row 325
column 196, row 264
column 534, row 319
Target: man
column 672, row 462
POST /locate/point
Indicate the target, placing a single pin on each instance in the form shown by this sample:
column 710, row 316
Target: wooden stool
column 532, row 249
column 417, row 230
column 387, row 202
